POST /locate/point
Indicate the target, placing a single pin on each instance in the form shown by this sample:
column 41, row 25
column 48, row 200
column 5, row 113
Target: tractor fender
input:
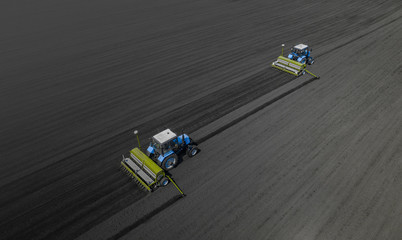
column 180, row 139
column 290, row 56
column 150, row 149
column 162, row 157
column 186, row 138
column 301, row 59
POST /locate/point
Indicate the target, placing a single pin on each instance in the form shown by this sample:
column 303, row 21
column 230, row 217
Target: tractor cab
column 300, row 50
column 163, row 142
column 301, row 53
column 165, row 147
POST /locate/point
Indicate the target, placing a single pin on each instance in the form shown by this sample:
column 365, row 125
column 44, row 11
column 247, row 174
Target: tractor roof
column 164, row 136
column 301, row 46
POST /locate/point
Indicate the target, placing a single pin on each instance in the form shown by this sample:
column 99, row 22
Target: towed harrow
column 145, row 172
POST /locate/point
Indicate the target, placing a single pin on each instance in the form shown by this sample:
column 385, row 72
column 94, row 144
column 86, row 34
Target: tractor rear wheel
column 192, row 151
column 170, row 162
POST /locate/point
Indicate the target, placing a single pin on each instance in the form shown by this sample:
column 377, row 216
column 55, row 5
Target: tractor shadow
column 182, row 156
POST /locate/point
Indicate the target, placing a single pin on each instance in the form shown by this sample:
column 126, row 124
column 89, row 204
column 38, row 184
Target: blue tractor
column 302, row 54
column 166, row 146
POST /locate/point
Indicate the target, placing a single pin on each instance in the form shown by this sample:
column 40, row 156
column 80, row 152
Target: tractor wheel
column 192, row 151
column 311, row 61
column 164, row 182
column 170, row 162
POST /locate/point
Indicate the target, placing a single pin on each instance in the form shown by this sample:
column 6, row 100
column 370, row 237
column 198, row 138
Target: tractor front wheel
column 170, row 162
column 192, row 151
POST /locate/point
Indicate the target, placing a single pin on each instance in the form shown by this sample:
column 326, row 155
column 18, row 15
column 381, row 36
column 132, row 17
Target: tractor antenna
column 139, row 146
column 138, row 139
